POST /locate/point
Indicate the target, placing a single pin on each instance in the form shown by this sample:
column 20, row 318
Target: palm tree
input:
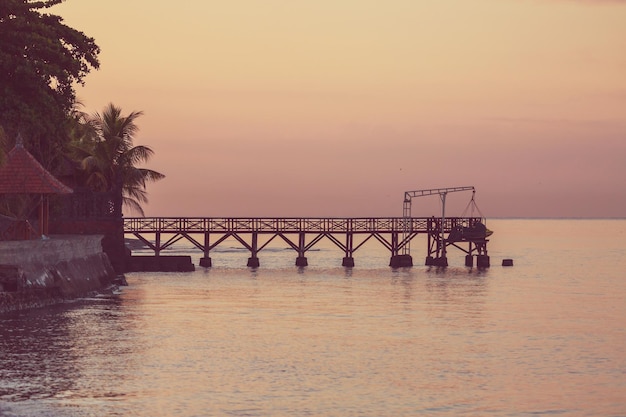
column 110, row 160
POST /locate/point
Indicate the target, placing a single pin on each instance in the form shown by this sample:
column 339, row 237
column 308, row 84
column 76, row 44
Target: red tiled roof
column 22, row 174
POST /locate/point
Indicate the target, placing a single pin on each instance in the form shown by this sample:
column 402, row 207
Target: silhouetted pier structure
column 302, row 234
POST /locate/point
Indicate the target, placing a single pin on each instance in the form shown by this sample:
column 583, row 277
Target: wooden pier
column 302, row 234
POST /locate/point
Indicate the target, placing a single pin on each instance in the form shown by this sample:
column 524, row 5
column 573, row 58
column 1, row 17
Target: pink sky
column 335, row 108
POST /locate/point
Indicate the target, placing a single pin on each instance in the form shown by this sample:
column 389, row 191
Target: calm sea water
column 545, row 337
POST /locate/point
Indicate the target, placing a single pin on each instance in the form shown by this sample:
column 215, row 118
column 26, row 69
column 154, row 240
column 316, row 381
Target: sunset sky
column 335, row 108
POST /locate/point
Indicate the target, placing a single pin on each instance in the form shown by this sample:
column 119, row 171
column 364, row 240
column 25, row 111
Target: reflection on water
column 57, row 352
column 544, row 337
column 23, row 344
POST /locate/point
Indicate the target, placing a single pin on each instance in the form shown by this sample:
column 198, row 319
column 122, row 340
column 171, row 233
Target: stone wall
column 40, row 272
column 111, row 228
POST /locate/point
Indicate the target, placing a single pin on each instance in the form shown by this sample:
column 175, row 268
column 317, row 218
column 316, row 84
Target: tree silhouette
column 109, row 158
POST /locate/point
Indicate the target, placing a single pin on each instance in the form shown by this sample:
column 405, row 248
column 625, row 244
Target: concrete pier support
column 205, row 261
column 440, row 261
column 482, row 261
column 399, row 261
column 160, row 263
column 253, row 260
column 469, row 260
column 302, row 261
column 348, row 262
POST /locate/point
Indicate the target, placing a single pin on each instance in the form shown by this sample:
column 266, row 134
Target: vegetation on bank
column 42, row 60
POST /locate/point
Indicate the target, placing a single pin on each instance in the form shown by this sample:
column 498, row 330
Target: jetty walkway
column 302, row 234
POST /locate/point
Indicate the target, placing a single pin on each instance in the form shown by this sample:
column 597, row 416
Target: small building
column 22, row 175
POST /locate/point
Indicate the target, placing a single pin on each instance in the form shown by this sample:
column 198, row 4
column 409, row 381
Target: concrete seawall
column 35, row 273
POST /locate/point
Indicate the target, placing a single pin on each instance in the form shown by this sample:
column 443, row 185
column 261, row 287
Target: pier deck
column 302, row 234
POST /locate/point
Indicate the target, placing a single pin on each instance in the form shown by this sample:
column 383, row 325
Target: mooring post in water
column 253, row 260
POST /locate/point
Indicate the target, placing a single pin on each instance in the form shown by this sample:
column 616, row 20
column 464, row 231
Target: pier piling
column 482, row 261
column 253, row 262
column 401, row 261
column 348, row 262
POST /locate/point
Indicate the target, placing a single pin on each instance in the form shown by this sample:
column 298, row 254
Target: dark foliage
column 41, row 61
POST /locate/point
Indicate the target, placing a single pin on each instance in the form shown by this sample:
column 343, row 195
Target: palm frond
column 133, row 205
column 151, row 175
column 137, row 154
column 136, row 193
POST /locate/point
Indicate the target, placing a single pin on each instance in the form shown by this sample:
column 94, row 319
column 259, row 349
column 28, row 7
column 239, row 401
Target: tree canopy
column 41, row 61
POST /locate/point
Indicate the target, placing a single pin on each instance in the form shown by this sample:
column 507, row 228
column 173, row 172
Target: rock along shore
column 36, row 273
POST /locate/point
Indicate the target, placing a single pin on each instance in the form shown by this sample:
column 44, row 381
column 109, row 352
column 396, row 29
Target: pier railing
column 290, row 225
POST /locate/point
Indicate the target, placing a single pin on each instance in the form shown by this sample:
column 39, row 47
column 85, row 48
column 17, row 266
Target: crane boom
column 408, row 195
column 442, row 192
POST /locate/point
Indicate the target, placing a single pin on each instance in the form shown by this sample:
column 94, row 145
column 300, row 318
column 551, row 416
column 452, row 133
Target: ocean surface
column 546, row 337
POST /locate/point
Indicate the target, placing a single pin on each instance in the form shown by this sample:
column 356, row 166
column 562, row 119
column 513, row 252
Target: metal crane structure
column 437, row 231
